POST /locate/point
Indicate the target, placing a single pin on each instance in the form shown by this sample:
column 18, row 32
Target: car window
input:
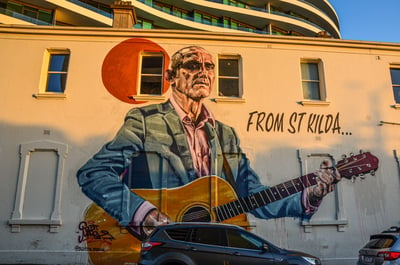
column 181, row 234
column 211, row 236
column 380, row 241
column 242, row 239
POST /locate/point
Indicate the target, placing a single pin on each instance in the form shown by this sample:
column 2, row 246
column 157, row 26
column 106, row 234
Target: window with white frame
column 57, row 71
column 312, row 80
column 151, row 73
column 229, row 79
column 395, row 75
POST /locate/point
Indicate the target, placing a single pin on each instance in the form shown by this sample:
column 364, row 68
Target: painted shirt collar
column 205, row 112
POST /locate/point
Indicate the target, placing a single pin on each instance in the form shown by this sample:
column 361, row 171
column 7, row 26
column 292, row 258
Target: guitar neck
column 264, row 197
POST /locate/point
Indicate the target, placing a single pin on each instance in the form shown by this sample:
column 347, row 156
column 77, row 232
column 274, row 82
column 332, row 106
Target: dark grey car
column 382, row 249
column 209, row 243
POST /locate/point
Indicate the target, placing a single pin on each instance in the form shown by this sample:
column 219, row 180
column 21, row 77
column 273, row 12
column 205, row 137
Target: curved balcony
column 170, row 20
column 288, row 17
column 256, row 17
column 299, row 11
column 325, row 7
column 320, row 15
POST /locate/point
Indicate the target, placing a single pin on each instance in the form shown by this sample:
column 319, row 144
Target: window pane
column 228, row 82
column 59, row 62
column 147, row 25
column 228, row 67
column 56, row 83
column 380, row 242
column 14, row 7
column 309, row 71
column 30, row 12
column 238, row 239
column 179, row 233
column 395, row 74
column 151, row 85
column 57, row 74
column 45, row 16
column 151, row 74
column 152, row 64
column 229, row 87
column 212, row 236
column 396, row 91
column 311, row 90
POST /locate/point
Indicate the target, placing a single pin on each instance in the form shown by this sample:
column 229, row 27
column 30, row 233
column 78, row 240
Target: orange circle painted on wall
column 121, row 68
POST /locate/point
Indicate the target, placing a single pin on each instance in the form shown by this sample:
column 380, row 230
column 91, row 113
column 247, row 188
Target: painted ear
column 169, row 75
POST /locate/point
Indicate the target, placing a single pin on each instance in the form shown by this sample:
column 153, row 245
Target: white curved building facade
column 276, row 17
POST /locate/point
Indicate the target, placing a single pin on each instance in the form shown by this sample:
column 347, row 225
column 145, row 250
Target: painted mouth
column 201, row 82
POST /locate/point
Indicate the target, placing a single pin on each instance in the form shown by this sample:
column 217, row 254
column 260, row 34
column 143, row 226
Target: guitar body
column 190, row 203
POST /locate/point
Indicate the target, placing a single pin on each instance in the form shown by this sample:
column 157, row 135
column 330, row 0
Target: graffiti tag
column 90, row 231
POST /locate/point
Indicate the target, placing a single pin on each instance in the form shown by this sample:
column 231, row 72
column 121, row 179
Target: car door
column 245, row 248
column 208, row 246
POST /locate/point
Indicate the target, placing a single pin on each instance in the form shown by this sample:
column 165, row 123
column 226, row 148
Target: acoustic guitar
column 207, row 199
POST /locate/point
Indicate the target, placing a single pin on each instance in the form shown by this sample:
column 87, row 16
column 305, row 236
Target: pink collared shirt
column 197, row 138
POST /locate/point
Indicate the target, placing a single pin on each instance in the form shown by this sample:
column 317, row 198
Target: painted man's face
column 195, row 76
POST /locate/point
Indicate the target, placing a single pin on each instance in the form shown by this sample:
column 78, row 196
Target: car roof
column 392, row 231
column 199, row 224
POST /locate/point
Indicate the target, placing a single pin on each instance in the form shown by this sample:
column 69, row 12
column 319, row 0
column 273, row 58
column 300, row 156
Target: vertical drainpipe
column 268, row 8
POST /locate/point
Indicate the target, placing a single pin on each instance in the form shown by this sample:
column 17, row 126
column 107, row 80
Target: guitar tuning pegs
column 361, row 151
column 353, row 179
column 362, row 176
column 372, row 172
column 351, row 154
column 344, row 156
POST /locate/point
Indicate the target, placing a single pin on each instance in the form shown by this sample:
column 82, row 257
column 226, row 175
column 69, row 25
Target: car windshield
column 380, row 241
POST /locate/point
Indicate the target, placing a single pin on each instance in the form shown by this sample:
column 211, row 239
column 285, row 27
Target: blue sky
column 371, row 20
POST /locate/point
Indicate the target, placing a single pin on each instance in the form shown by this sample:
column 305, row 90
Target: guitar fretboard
column 261, row 198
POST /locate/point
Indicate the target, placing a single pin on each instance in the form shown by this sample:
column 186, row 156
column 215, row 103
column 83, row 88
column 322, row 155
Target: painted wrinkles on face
column 198, row 72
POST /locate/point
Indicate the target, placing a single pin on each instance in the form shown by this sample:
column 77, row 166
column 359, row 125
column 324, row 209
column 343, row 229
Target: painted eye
column 210, row 66
column 192, row 66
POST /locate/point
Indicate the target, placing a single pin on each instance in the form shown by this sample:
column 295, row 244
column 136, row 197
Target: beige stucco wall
column 359, row 92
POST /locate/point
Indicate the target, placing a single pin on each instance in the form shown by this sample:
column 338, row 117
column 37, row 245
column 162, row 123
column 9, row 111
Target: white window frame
column 321, row 83
column 43, row 93
column 160, row 75
column 150, row 97
column 239, row 98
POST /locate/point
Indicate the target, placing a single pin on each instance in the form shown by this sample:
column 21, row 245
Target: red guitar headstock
column 358, row 165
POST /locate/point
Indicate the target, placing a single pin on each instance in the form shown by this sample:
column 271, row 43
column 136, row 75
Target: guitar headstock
column 358, row 165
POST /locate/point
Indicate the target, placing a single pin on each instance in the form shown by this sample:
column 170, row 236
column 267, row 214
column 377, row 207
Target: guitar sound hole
column 196, row 214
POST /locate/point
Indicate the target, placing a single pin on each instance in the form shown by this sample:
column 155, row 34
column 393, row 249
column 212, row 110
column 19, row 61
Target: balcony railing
column 23, row 17
column 193, row 19
column 92, row 8
column 264, row 10
column 314, row 6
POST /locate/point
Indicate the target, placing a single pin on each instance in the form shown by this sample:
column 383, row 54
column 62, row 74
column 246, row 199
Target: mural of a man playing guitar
column 169, row 145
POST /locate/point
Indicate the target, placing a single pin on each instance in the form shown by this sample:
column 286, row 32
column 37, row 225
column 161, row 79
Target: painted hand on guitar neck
column 327, row 177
